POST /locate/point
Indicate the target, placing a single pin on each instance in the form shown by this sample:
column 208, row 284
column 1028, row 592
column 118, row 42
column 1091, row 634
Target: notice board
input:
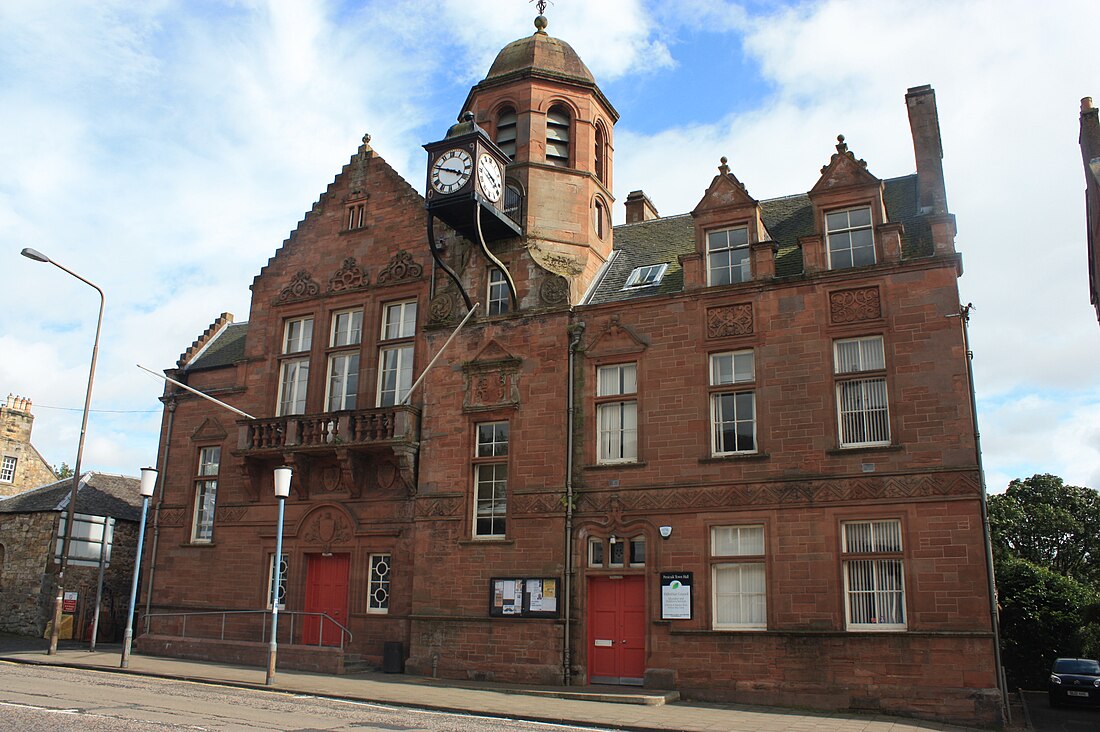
column 524, row 597
column 676, row 595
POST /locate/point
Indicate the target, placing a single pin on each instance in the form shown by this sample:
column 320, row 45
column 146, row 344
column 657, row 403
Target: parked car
column 1074, row 680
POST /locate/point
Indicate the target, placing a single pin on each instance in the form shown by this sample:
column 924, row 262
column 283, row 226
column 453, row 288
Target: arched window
column 557, row 136
column 506, row 132
column 599, row 154
column 599, row 220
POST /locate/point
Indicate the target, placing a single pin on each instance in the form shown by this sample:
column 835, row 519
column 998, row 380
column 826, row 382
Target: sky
column 165, row 149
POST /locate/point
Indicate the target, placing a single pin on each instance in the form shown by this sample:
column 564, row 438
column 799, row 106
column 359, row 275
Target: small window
column 379, row 584
column 648, row 276
column 356, row 219
column 599, row 153
column 728, row 258
column 206, row 492
column 499, row 300
column 557, row 136
column 7, row 469
column 506, row 132
column 850, row 236
column 618, row 552
column 595, row 552
column 599, row 218
column 637, row 551
column 491, row 480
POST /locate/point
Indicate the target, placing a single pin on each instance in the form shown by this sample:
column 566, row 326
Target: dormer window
column 850, row 238
column 557, row 136
column 728, row 256
column 506, row 132
column 647, row 276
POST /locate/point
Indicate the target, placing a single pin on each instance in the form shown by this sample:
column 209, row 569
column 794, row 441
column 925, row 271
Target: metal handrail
column 345, row 634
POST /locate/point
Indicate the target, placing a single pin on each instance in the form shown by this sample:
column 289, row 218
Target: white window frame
column 347, row 328
column 206, row 494
column 743, row 558
column 743, row 267
column 743, row 378
column 874, row 568
column 282, row 579
column 497, row 299
column 7, row 469
column 862, row 396
column 293, row 386
column 597, row 552
column 379, row 574
column 617, row 418
column 649, row 275
column 342, row 378
column 847, row 231
column 297, row 335
column 395, row 360
column 491, row 449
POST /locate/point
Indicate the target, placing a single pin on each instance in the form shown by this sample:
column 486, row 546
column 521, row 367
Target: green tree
column 1050, row 524
column 1043, row 617
column 63, row 472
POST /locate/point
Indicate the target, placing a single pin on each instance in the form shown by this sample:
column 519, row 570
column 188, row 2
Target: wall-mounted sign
column 523, row 597
column 68, row 602
column 676, row 595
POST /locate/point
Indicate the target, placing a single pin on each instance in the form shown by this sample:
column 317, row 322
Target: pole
column 438, row 353
column 196, row 392
column 99, row 581
column 59, row 599
column 128, row 637
column 272, row 648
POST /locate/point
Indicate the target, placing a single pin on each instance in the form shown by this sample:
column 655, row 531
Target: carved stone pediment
column 302, row 287
column 350, row 276
column 401, row 268
column 844, row 171
column 725, row 191
column 210, row 430
column 616, row 338
column 492, row 379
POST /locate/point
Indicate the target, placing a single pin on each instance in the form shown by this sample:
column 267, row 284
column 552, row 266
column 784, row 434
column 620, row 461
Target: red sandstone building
column 729, row 452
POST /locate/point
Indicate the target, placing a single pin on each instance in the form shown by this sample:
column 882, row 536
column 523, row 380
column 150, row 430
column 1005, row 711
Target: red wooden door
column 326, row 592
column 616, row 630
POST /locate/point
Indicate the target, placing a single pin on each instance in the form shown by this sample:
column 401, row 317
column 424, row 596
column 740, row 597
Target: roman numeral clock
column 465, row 190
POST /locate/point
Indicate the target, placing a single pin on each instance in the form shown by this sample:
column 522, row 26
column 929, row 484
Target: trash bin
column 393, row 657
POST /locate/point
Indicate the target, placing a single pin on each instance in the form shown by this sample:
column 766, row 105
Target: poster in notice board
column 524, row 597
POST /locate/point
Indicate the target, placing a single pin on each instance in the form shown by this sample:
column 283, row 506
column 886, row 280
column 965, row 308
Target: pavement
column 588, row 706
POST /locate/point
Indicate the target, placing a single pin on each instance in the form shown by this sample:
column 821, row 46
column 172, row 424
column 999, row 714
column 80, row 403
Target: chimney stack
column 925, row 124
column 639, row 208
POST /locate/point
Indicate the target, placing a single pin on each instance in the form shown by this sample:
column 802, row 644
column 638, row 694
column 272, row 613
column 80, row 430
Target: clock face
column 451, row 170
column 490, row 177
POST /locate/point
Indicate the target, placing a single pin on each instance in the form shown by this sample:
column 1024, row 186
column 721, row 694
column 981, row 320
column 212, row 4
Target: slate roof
column 99, row 494
column 786, row 219
column 226, row 349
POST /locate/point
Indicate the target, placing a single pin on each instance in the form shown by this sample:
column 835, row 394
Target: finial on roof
column 723, row 168
column 840, row 145
column 541, row 22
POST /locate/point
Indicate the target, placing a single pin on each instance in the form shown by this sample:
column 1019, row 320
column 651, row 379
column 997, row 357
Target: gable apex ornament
column 842, row 149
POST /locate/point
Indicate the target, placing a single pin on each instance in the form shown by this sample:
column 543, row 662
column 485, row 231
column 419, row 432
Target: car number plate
column 1077, row 693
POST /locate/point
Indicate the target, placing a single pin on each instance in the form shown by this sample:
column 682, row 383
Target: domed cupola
column 540, row 104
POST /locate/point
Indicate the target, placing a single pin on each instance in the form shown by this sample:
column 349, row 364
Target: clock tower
column 541, row 107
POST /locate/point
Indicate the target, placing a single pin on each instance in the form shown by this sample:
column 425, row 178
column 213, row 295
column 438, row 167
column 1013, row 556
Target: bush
column 1044, row 615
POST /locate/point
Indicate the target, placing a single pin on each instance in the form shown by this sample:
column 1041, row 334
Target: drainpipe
column 576, row 331
column 1002, row 686
column 160, row 502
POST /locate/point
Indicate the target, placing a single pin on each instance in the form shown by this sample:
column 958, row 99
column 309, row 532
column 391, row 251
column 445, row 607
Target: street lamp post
column 40, row 257
column 148, row 482
column 282, row 490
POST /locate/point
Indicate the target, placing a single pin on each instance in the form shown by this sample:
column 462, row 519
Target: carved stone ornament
column 231, row 514
column 554, row 290
column 301, row 287
column 327, row 528
column 348, row 277
column 441, row 308
column 852, row 306
column 402, row 267
column 729, row 320
column 492, row 380
column 172, row 516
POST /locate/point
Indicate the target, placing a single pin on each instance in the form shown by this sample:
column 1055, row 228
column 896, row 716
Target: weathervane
column 540, row 5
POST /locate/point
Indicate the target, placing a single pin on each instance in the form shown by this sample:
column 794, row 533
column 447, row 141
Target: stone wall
column 24, row 543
